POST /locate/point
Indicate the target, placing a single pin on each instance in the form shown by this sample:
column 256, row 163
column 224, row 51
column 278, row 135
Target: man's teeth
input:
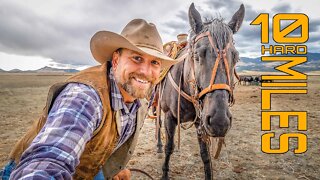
column 142, row 81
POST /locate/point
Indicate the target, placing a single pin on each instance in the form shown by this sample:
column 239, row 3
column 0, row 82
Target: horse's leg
column 205, row 158
column 170, row 126
column 159, row 144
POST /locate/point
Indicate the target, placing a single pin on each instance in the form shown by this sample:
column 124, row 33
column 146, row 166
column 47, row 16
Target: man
column 91, row 122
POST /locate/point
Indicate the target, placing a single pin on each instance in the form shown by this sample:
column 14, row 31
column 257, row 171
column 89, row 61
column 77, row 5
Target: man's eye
column 137, row 58
column 155, row 62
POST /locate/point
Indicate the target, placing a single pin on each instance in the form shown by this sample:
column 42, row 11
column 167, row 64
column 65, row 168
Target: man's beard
column 136, row 92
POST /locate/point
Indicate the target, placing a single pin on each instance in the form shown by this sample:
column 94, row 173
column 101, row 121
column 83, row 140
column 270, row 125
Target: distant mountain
column 255, row 64
column 45, row 69
column 15, row 70
column 50, row 69
column 245, row 64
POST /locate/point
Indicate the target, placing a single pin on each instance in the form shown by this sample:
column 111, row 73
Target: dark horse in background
column 206, row 74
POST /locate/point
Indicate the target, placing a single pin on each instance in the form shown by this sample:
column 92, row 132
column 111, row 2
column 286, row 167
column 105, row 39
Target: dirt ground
column 23, row 97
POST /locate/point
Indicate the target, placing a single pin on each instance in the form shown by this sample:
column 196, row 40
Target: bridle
column 195, row 99
column 220, row 55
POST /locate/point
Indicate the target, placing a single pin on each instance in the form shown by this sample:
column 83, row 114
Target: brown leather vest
column 98, row 152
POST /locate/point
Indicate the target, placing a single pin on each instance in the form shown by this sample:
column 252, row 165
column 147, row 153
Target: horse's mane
column 220, row 31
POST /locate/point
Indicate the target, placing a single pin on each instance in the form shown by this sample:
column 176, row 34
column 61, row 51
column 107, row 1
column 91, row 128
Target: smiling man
column 137, row 76
column 91, row 122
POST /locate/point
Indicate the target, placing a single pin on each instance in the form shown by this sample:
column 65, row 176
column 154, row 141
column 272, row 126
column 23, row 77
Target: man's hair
column 119, row 51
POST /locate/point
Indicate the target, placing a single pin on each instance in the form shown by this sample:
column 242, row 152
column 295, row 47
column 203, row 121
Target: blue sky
column 36, row 33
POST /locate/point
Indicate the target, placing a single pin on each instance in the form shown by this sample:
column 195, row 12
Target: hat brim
column 104, row 43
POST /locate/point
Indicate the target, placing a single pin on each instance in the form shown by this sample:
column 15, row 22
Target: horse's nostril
column 208, row 120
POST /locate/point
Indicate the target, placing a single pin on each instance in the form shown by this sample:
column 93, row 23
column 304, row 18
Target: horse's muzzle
column 217, row 125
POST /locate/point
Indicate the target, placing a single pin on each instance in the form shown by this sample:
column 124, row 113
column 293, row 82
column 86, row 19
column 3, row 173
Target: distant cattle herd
column 251, row 80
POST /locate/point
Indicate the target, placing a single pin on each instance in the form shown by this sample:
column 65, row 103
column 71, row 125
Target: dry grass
column 22, row 98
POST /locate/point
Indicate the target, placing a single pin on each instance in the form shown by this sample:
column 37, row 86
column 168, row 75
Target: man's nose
column 145, row 68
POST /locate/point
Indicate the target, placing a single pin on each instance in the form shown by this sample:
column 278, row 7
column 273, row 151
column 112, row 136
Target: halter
column 221, row 54
column 195, row 99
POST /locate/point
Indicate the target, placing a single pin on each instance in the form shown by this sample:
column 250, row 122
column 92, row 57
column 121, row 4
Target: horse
column 245, row 79
column 242, row 80
column 260, row 80
column 199, row 88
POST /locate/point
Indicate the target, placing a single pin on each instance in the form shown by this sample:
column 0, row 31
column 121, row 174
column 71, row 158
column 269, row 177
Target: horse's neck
column 185, row 68
column 188, row 77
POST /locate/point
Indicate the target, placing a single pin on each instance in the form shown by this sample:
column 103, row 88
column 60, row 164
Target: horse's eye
column 202, row 53
column 196, row 57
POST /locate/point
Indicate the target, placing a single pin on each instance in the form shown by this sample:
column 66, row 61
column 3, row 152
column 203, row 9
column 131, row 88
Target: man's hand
column 123, row 175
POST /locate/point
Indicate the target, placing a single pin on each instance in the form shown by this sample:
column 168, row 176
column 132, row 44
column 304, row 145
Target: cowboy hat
column 137, row 35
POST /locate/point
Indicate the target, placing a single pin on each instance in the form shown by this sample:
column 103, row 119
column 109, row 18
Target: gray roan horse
column 206, row 76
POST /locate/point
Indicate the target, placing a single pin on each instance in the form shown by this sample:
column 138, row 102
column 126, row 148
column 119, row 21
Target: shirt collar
column 117, row 102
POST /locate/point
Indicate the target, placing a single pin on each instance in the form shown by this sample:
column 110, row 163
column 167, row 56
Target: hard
column 284, row 49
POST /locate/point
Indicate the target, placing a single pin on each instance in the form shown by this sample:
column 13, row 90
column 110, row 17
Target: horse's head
column 214, row 57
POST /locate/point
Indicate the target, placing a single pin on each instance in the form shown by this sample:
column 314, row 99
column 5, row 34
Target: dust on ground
column 22, row 98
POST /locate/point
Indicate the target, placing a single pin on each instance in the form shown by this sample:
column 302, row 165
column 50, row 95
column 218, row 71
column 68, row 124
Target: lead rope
column 178, row 111
column 141, row 171
column 158, row 112
column 195, row 103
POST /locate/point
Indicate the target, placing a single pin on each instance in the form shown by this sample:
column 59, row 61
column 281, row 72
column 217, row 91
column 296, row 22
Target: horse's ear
column 195, row 19
column 237, row 19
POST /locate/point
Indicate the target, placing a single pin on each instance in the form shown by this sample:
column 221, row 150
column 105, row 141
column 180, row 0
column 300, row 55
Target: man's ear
column 115, row 59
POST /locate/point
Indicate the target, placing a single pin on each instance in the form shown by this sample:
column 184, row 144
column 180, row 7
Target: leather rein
column 195, row 99
column 221, row 55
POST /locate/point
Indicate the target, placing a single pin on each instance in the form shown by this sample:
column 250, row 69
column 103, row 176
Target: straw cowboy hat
column 137, row 35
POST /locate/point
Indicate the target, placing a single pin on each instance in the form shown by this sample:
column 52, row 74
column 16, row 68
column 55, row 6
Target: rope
column 141, row 171
column 190, row 125
column 178, row 111
column 158, row 111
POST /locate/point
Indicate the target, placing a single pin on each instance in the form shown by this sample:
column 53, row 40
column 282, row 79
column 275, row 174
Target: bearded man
column 91, row 122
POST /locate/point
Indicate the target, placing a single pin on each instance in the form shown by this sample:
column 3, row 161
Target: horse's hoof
column 165, row 178
column 159, row 155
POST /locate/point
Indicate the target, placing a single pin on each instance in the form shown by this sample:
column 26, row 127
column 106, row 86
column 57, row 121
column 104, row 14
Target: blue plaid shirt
column 75, row 114
column 128, row 112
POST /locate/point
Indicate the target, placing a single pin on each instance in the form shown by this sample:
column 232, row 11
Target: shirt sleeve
column 55, row 151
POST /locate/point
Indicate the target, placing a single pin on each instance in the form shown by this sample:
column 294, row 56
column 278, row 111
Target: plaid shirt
column 128, row 112
column 75, row 114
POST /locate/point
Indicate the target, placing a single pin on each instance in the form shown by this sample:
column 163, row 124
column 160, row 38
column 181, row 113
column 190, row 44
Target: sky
column 37, row 33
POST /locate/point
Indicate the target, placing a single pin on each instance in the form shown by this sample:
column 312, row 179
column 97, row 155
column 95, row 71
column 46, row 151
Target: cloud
column 248, row 37
column 283, row 8
column 25, row 32
column 314, row 25
column 177, row 27
column 228, row 7
column 61, row 30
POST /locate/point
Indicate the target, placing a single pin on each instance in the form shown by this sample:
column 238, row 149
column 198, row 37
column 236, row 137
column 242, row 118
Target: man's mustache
column 142, row 77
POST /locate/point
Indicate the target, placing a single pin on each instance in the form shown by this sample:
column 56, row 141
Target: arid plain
column 22, row 97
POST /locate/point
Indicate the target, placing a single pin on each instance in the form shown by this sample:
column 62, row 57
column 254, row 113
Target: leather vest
column 98, row 152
